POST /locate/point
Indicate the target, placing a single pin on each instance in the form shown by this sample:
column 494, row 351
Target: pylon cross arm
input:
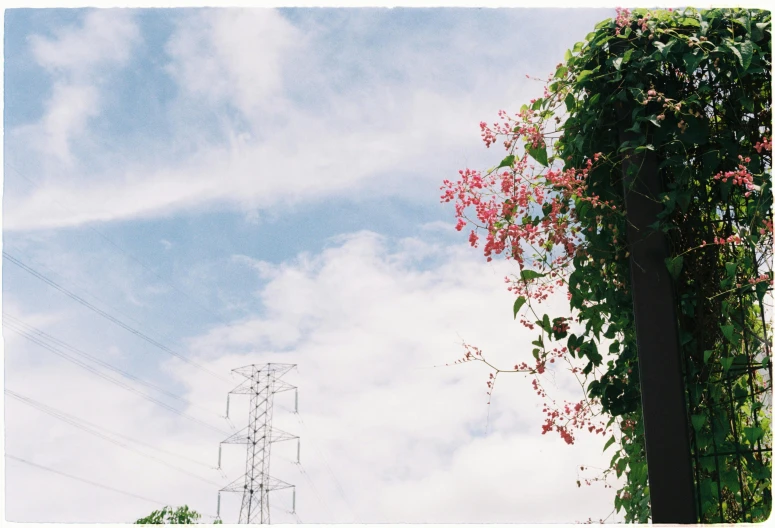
column 274, row 484
column 243, row 436
column 279, row 436
column 236, row 486
column 244, row 388
column 238, row 438
column 282, row 386
column 276, row 370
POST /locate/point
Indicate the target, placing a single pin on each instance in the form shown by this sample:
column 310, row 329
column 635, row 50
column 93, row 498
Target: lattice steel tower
column 262, row 383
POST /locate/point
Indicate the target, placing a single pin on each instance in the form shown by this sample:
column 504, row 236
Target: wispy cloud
column 303, row 114
column 76, row 58
column 234, row 57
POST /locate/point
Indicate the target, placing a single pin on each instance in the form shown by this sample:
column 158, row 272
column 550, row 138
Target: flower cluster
column 764, row 277
column 764, row 144
column 643, row 22
column 741, row 177
column 522, row 125
column 527, row 213
column 576, row 416
column 732, row 239
column 622, row 18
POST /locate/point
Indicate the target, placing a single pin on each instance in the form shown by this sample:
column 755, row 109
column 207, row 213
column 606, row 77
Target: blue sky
column 253, row 186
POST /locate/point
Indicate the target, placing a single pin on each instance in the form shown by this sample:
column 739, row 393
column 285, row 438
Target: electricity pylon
column 262, row 383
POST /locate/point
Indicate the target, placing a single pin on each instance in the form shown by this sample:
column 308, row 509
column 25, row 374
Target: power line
column 84, row 290
column 58, row 342
column 91, row 483
column 337, row 484
column 125, row 252
column 78, row 286
column 287, row 512
column 96, row 372
column 305, row 474
column 93, row 430
column 308, row 478
column 109, row 317
column 140, row 442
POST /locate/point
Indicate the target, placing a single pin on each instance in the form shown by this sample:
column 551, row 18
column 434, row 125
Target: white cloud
column 364, row 323
column 233, row 56
column 308, row 159
column 67, row 113
column 76, row 58
column 311, row 134
column 365, row 320
column 104, row 38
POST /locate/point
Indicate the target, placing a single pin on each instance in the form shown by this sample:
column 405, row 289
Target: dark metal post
column 663, row 396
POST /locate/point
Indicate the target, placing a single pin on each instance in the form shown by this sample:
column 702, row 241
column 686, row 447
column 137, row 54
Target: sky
column 238, row 187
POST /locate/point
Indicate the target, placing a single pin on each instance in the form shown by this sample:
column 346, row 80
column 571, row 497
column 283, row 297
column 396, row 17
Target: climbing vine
column 694, row 87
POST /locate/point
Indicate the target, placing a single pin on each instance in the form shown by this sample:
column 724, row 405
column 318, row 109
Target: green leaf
column 747, row 104
column 518, row 304
column 528, row 274
column 692, row 60
column 746, row 54
column 729, row 333
column 753, row 434
column 745, row 22
column 638, row 472
column 731, row 47
column 570, row 102
column 688, row 21
column 731, row 268
column 538, row 154
column 757, row 30
column 706, row 355
column 619, row 469
column 508, row 161
column 674, row 266
column 726, row 363
column 583, row 75
column 608, row 444
column 568, row 55
column 698, row 420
